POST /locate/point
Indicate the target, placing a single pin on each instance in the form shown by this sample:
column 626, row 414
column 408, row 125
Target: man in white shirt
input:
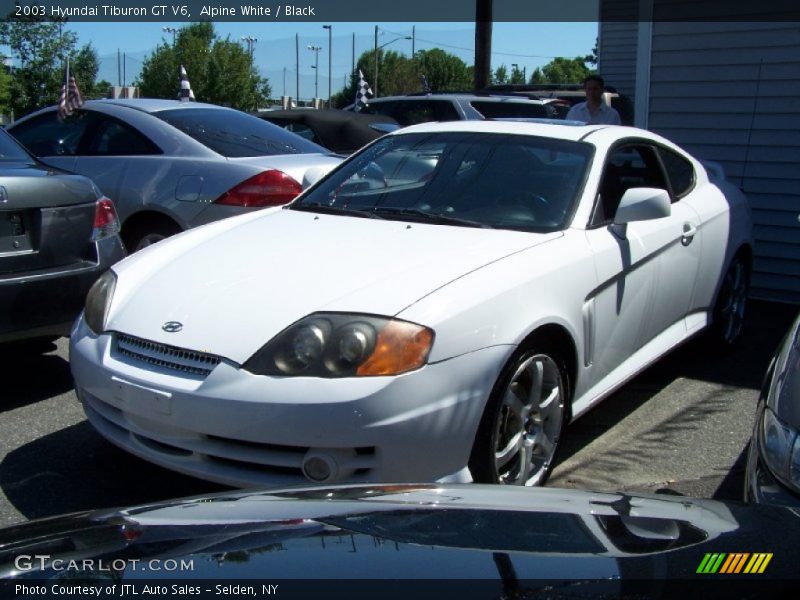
column 594, row 111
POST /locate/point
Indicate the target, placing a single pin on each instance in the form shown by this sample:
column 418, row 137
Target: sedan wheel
column 519, row 435
column 730, row 308
column 144, row 234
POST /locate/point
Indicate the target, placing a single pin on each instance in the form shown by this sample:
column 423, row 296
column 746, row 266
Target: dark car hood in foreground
column 499, row 539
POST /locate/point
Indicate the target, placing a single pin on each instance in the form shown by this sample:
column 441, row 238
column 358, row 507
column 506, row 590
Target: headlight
column 98, row 301
column 344, row 345
column 780, row 447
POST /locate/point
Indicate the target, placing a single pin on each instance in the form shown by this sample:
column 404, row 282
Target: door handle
column 689, row 231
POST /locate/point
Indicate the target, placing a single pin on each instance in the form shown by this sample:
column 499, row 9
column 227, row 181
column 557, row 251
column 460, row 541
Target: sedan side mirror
column 642, row 204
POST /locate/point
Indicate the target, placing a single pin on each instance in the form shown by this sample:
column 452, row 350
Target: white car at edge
column 438, row 307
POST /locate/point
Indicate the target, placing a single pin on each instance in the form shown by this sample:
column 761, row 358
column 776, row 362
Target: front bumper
column 45, row 303
column 239, row 429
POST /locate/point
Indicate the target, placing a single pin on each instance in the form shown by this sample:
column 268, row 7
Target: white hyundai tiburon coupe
column 438, row 307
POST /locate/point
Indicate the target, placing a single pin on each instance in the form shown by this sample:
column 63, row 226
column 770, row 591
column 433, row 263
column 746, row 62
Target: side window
column 113, row 138
column 46, row 135
column 499, row 110
column 626, row 167
column 679, row 171
column 443, row 110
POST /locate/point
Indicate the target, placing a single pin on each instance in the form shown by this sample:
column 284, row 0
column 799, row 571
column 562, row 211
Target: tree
column 398, row 74
column 5, row 92
column 42, row 48
column 561, row 70
column 500, row 76
column 592, row 58
column 445, row 72
column 517, row 76
column 220, row 71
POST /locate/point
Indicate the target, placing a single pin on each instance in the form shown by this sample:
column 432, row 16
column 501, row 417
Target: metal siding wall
column 728, row 92
column 617, row 60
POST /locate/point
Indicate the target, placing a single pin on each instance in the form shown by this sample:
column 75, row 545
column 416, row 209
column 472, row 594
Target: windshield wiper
column 428, row 217
column 334, row 210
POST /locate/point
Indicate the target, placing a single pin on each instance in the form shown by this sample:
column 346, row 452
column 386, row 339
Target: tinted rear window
column 236, row 134
column 499, row 110
column 10, row 150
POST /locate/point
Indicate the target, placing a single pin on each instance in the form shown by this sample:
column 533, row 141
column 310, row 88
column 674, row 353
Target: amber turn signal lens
column 400, row 347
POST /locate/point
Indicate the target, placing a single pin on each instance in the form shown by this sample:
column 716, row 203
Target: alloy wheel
column 528, row 421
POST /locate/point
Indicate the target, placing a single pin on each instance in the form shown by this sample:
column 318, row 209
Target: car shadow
column 75, row 469
column 720, row 374
column 24, row 363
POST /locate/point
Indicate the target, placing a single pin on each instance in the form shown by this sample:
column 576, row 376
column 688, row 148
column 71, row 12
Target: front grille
column 168, row 357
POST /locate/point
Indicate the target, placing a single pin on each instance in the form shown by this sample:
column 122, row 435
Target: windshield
column 471, row 179
column 236, row 134
column 10, row 150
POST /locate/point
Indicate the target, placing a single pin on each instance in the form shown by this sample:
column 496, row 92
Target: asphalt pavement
column 681, row 427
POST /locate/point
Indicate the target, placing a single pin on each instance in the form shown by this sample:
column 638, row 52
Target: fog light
column 328, row 465
column 317, row 469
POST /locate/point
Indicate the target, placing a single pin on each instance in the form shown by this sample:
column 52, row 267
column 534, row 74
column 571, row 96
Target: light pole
column 173, row 31
column 375, row 81
column 330, row 59
column 315, row 66
column 250, row 41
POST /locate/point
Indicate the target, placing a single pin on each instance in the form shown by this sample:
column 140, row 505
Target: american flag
column 70, row 99
column 362, row 91
column 186, row 94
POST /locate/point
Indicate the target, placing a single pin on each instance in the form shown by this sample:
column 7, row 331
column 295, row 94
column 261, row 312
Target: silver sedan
column 170, row 166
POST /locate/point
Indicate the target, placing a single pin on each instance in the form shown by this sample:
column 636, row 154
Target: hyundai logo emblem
column 172, row 326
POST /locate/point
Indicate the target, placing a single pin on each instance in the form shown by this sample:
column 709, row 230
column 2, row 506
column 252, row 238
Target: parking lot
column 680, row 427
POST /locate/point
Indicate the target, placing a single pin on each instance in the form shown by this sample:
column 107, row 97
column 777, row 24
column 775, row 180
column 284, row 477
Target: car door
column 120, row 161
column 646, row 269
column 113, row 154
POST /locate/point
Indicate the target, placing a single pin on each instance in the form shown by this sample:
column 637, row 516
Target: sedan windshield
column 467, row 179
column 236, row 134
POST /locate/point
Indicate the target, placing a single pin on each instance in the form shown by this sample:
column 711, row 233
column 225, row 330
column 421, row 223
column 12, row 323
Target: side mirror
column 642, row 204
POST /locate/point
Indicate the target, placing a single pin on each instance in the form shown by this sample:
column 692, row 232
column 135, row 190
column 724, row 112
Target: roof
column 567, row 131
column 153, row 104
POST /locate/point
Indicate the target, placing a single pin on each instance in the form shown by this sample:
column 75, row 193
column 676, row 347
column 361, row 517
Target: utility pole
column 250, row 41
column 330, row 59
column 483, row 43
column 297, row 63
column 315, row 66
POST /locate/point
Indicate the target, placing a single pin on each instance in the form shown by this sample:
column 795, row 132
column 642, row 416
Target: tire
column 729, row 310
column 521, row 427
column 146, row 234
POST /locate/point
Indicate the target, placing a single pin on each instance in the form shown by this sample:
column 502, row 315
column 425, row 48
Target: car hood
column 408, row 532
column 236, row 286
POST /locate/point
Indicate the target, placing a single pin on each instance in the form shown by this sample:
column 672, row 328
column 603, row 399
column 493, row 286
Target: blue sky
column 527, row 44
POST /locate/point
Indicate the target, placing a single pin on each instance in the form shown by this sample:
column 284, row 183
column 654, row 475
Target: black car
column 340, row 131
column 401, row 541
column 773, row 459
column 58, row 234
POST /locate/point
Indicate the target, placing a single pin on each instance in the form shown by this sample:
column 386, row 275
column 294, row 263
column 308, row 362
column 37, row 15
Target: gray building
column 729, row 92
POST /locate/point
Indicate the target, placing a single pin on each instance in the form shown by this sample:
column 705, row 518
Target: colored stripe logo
column 735, row 563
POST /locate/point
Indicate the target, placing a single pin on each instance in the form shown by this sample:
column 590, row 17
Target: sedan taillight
column 106, row 222
column 270, row 188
